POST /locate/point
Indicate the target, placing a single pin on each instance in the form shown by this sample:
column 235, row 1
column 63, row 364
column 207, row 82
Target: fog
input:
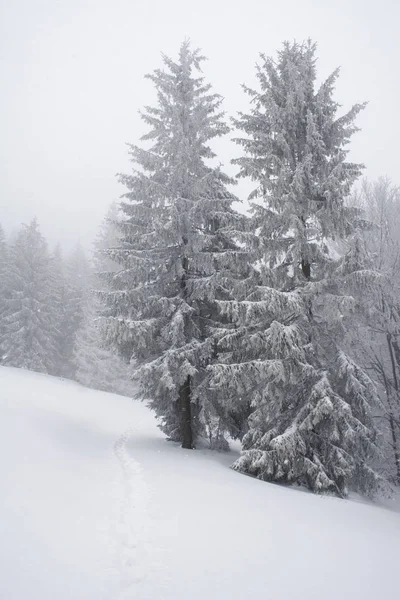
column 72, row 83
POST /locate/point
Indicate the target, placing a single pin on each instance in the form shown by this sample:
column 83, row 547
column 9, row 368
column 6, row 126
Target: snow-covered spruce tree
column 27, row 338
column 175, row 253
column 96, row 365
column 311, row 404
column 108, row 238
column 78, row 280
column 59, row 296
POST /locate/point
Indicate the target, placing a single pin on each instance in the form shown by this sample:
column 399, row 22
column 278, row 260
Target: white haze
column 71, row 74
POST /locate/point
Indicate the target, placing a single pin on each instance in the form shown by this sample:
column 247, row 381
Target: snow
column 95, row 504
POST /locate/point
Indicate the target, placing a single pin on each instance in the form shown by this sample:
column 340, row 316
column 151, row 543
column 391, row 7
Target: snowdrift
column 95, row 504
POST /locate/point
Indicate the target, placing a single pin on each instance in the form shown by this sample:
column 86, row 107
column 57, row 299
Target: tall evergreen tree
column 27, row 338
column 79, row 271
column 176, row 250
column 59, row 301
column 97, row 365
column 311, row 404
column 78, row 280
column 107, row 239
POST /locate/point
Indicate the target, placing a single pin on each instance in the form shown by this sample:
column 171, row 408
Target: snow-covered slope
column 95, row 504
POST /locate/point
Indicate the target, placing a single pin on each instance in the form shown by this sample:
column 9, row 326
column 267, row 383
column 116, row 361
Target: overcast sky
column 71, row 77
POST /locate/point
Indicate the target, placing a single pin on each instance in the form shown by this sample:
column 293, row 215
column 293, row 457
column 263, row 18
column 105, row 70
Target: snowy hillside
column 96, row 505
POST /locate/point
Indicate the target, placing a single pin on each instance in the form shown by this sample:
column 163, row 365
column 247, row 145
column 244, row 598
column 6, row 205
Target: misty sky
column 71, row 74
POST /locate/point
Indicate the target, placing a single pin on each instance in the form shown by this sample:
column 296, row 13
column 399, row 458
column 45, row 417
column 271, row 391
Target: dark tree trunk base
column 185, row 415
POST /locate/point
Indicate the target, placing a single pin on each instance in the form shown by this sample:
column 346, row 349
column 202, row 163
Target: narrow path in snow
column 129, row 535
column 136, row 556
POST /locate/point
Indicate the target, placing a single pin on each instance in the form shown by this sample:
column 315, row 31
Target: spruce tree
column 177, row 248
column 310, row 419
column 98, row 366
column 27, row 339
column 59, row 302
column 78, row 280
column 107, row 238
column 97, row 363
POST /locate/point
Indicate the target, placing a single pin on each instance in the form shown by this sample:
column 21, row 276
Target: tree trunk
column 305, row 264
column 184, row 392
column 306, row 268
column 185, row 415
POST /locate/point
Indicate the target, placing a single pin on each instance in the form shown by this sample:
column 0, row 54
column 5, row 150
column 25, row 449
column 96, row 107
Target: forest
column 273, row 320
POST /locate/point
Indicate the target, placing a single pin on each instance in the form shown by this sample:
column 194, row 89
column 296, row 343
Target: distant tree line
column 279, row 327
column 49, row 316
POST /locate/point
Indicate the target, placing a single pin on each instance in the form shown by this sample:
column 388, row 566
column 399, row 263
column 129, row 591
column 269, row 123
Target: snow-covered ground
column 96, row 505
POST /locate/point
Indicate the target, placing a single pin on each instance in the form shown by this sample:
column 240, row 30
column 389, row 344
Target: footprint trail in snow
column 136, row 559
